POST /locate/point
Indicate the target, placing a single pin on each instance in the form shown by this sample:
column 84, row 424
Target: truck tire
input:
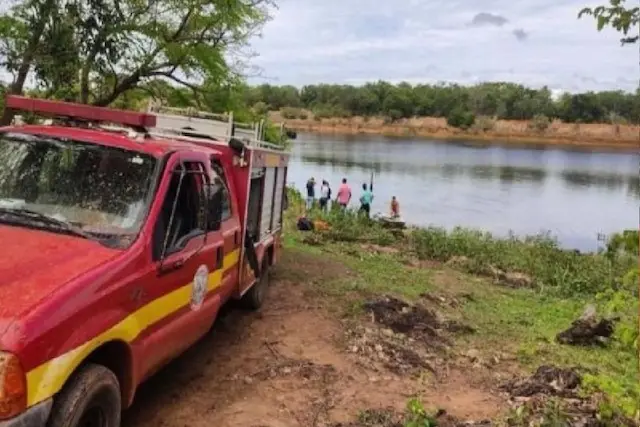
column 255, row 296
column 91, row 398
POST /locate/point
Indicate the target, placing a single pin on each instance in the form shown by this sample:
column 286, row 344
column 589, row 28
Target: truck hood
column 33, row 263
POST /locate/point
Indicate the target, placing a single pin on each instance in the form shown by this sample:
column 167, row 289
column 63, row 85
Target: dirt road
column 290, row 366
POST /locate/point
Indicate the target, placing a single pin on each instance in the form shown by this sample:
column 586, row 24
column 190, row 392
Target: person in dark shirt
column 311, row 193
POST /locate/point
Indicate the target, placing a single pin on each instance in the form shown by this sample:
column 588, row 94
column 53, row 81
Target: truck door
column 230, row 230
column 187, row 264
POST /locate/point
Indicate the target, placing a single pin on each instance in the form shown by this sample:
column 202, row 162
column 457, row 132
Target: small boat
column 389, row 222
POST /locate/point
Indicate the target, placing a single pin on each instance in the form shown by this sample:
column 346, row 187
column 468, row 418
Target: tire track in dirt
column 286, row 366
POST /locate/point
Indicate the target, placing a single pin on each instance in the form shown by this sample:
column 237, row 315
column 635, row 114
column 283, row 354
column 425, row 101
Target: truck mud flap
column 252, row 256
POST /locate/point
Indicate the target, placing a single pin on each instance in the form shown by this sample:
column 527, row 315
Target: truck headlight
column 13, row 386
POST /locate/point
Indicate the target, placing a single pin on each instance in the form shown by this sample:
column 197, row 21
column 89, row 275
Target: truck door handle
column 219, row 257
column 168, row 267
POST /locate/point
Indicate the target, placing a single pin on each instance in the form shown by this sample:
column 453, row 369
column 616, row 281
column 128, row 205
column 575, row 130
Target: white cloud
column 353, row 41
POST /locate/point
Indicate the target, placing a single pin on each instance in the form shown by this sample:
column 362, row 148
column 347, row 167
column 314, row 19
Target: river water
column 574, row 195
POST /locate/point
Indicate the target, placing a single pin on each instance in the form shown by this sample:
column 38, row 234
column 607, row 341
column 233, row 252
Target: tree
column 20, row 34
column 625, row 20
column 260, row 108
column 96, row 50
column 461, row 119
column 497, row 100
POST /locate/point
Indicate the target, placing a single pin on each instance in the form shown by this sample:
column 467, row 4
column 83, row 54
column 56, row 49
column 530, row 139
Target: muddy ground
column 296, row 363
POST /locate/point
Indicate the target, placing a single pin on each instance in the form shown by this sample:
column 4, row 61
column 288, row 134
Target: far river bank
column 558, row 134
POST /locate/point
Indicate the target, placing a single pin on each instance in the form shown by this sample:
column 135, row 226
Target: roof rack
column 190, row 124
column 80, row 112
column 164, row 122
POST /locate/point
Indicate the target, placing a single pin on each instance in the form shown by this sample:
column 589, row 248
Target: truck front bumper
column 35, row 416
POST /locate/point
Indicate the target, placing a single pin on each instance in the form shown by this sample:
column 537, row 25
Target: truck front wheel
column 90, row 399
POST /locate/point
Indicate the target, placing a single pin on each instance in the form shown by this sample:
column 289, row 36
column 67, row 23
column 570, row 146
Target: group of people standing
column 343, row 197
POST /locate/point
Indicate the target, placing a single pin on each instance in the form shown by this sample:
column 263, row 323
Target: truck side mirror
column 214, row 207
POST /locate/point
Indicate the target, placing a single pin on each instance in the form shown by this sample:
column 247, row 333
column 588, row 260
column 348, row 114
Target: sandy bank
column 596, row 136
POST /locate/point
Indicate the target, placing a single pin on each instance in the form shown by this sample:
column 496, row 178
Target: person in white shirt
column 325, row 195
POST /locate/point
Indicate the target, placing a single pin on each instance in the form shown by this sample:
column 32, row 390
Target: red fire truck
column 121, row 236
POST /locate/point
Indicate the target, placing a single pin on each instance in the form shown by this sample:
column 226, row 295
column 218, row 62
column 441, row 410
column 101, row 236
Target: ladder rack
column 190, row 124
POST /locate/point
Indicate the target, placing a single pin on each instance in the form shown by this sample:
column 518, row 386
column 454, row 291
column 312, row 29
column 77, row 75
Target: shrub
column 564, row 272
column 290, row 113
column 392, row 116
column 626, row 242
column 260, row 108
column 484, row 124
column 294, row 196
column 272, row 134
column 322, row 113
column 620, row 398
column 461, row 119
column 539, row 123
column 327, row 111
column 417, row 416
column 616, row 119
column 349, row 226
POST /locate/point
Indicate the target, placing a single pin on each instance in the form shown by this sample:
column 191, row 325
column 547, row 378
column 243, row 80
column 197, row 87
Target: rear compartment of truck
column 266, row 197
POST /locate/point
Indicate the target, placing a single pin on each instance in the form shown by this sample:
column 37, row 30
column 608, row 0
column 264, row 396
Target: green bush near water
column 563, row 271
column 349, row 226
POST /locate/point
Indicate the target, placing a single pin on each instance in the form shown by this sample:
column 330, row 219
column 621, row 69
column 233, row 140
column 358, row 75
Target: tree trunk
column 86, row 70
column 128, row 83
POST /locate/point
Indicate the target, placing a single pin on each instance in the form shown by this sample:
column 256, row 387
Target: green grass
column 523, row 322
column 551, row 268
column 526, row 324
column 379, row 274
column 561, row 271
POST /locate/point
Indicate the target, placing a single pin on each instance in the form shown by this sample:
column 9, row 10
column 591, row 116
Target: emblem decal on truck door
column 199, row 287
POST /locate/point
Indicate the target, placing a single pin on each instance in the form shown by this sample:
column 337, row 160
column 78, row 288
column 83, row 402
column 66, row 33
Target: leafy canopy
column 625, row 20
column 93, row 51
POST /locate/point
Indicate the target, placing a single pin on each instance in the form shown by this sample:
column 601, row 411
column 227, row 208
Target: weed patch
column 415, row 415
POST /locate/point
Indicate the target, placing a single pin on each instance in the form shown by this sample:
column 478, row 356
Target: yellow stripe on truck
column 49, row 378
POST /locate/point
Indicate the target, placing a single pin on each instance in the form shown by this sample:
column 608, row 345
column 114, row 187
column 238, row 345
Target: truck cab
column 122, row 235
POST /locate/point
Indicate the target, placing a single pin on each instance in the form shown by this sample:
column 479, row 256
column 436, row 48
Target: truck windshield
column 76, row 188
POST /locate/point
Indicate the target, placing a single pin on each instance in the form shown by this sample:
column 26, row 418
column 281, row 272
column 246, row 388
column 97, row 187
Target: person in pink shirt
column 344, row 194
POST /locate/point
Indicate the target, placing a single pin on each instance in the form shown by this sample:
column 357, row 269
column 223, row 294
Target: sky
column 533, row 42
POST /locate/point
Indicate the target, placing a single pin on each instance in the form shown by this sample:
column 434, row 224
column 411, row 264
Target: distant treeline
column 507, row 101
column 461, row 105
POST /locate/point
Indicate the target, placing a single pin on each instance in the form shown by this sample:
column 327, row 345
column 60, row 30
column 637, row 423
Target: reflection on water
column 582, row 179
column 573, row 194
column 505, row 173
column 488, row 172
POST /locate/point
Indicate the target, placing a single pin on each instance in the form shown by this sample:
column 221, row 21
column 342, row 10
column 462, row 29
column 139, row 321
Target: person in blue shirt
column 365, row 200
